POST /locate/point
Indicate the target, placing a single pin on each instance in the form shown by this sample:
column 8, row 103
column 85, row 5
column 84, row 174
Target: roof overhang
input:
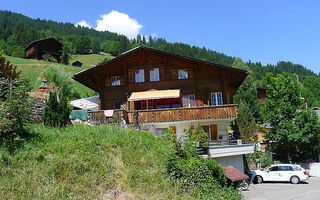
column 154, row 94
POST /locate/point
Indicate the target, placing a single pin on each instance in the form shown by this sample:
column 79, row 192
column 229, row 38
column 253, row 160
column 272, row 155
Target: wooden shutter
column 121, row 80
column 214, row 131
column 162, row 74
column 173, row 129
column 174, row 74
column 190, row 73
column 108, row 81
column 131, row 75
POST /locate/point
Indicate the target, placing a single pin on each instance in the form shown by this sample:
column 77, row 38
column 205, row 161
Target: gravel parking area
column 273, row 190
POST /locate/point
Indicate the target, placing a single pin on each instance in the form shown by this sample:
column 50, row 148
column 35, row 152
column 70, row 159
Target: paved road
column 284, row 191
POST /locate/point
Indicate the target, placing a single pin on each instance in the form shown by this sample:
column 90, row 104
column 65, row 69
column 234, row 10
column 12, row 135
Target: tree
column 311, row 90
column 14, row 102
column 57, row 110
column 294, row 127
column 245, row 124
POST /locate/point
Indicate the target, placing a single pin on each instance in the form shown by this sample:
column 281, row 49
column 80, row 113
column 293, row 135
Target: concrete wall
column 222, row 126
column 234, row 161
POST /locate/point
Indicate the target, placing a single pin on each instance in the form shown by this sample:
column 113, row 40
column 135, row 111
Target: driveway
column 284, row 191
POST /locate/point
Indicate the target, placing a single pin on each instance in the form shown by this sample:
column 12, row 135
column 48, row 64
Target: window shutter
column 162, row 74
column 131, row 75
column 174, row 74
column 173, row 129
column 190, row 73
column 108, row 81
column 121, row 80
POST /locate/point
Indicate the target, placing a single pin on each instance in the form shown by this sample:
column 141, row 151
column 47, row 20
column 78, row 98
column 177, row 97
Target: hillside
column 17, row 31
column 85, row 162
column 31, row 69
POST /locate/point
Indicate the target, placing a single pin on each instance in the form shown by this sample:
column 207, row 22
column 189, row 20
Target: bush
column 61, row 80
column 203, row 178
column 16, row 51
column 14, row 102
column 258, row 157
column 57, row 111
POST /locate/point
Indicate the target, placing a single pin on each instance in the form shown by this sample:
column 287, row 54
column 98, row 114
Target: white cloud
column 83, row 23
column 120, row 23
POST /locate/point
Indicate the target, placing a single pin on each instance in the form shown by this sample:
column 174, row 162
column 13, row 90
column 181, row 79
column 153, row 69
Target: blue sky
column 264, row 30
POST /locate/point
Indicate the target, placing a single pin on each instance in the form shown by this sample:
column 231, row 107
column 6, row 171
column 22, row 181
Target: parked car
column 280, row 172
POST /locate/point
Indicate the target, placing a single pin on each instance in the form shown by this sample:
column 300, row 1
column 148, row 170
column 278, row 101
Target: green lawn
column 84, row 162
column 31, row 69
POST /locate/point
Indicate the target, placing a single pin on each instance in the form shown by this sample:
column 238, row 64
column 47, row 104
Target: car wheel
column 258, row 179
column 294, row 180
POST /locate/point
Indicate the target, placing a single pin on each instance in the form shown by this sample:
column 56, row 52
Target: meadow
column 85, row 162
column 31, row 69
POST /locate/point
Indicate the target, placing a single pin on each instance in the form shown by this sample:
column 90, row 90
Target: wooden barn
column 39, row 48
column 77, row 63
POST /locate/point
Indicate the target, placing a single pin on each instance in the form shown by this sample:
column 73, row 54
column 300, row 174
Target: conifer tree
column 57, row 110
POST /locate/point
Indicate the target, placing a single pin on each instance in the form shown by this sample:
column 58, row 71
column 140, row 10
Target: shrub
column 57, row 111
column 14, row 102
column 61, row 80
column 262, row 158
column 197, row 135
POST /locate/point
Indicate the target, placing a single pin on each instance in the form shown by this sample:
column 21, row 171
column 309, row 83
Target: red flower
column 19, row 139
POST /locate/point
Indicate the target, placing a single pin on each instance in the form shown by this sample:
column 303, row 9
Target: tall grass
column 83, row 162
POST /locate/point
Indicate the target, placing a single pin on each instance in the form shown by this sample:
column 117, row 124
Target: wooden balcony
column 97, row 117
column 184, row 114
column 165, row 115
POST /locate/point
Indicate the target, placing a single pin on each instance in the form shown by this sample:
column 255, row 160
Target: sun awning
column 154, row 94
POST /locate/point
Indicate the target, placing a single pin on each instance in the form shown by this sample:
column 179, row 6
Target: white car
column 280, row 172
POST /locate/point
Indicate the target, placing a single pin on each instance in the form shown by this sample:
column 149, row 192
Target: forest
column 17, row 31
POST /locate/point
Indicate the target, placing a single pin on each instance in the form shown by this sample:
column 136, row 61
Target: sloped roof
column 234, row 174
column 43, row 40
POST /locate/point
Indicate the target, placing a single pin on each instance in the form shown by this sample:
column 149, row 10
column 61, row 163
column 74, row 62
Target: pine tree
column 57, row 110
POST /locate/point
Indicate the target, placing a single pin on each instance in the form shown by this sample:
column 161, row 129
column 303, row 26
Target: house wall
column 234, row 161
column 222, row 127
column 202, row 80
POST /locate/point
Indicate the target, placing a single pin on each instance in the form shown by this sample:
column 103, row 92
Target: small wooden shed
column 77, row 64
column 38, row 48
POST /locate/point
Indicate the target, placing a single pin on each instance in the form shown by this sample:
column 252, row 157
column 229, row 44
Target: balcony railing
column 220, row 143
column 165, row 115
column 184, row 114
column 98, row 117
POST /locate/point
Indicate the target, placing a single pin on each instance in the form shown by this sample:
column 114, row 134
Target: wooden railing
column 165, row 115
column 184, row 114
column 98, row 117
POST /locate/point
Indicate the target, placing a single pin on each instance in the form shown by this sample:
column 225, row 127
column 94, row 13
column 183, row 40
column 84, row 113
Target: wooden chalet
column 158, row 90
column 49, row 46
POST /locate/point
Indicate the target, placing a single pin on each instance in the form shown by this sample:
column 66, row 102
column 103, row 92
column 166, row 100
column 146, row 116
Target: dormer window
column 154, row 74
column 183, row 74
column 115, row 80
column 139, row 76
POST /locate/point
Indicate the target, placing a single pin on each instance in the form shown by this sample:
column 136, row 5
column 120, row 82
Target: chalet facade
column 50, row 46
column 158, row 90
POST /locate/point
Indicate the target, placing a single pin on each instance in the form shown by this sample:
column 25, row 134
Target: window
column 183, row 74
column 216, row 99
column 189, row 100
column 161, row 131
column 115, row 80
column 154, row 74
column 285, row 168
column 139, row 76
column 272, row 169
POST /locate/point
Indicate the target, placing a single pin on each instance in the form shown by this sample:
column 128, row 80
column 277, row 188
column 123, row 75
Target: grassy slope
column 83, row 162
column 32, row 69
